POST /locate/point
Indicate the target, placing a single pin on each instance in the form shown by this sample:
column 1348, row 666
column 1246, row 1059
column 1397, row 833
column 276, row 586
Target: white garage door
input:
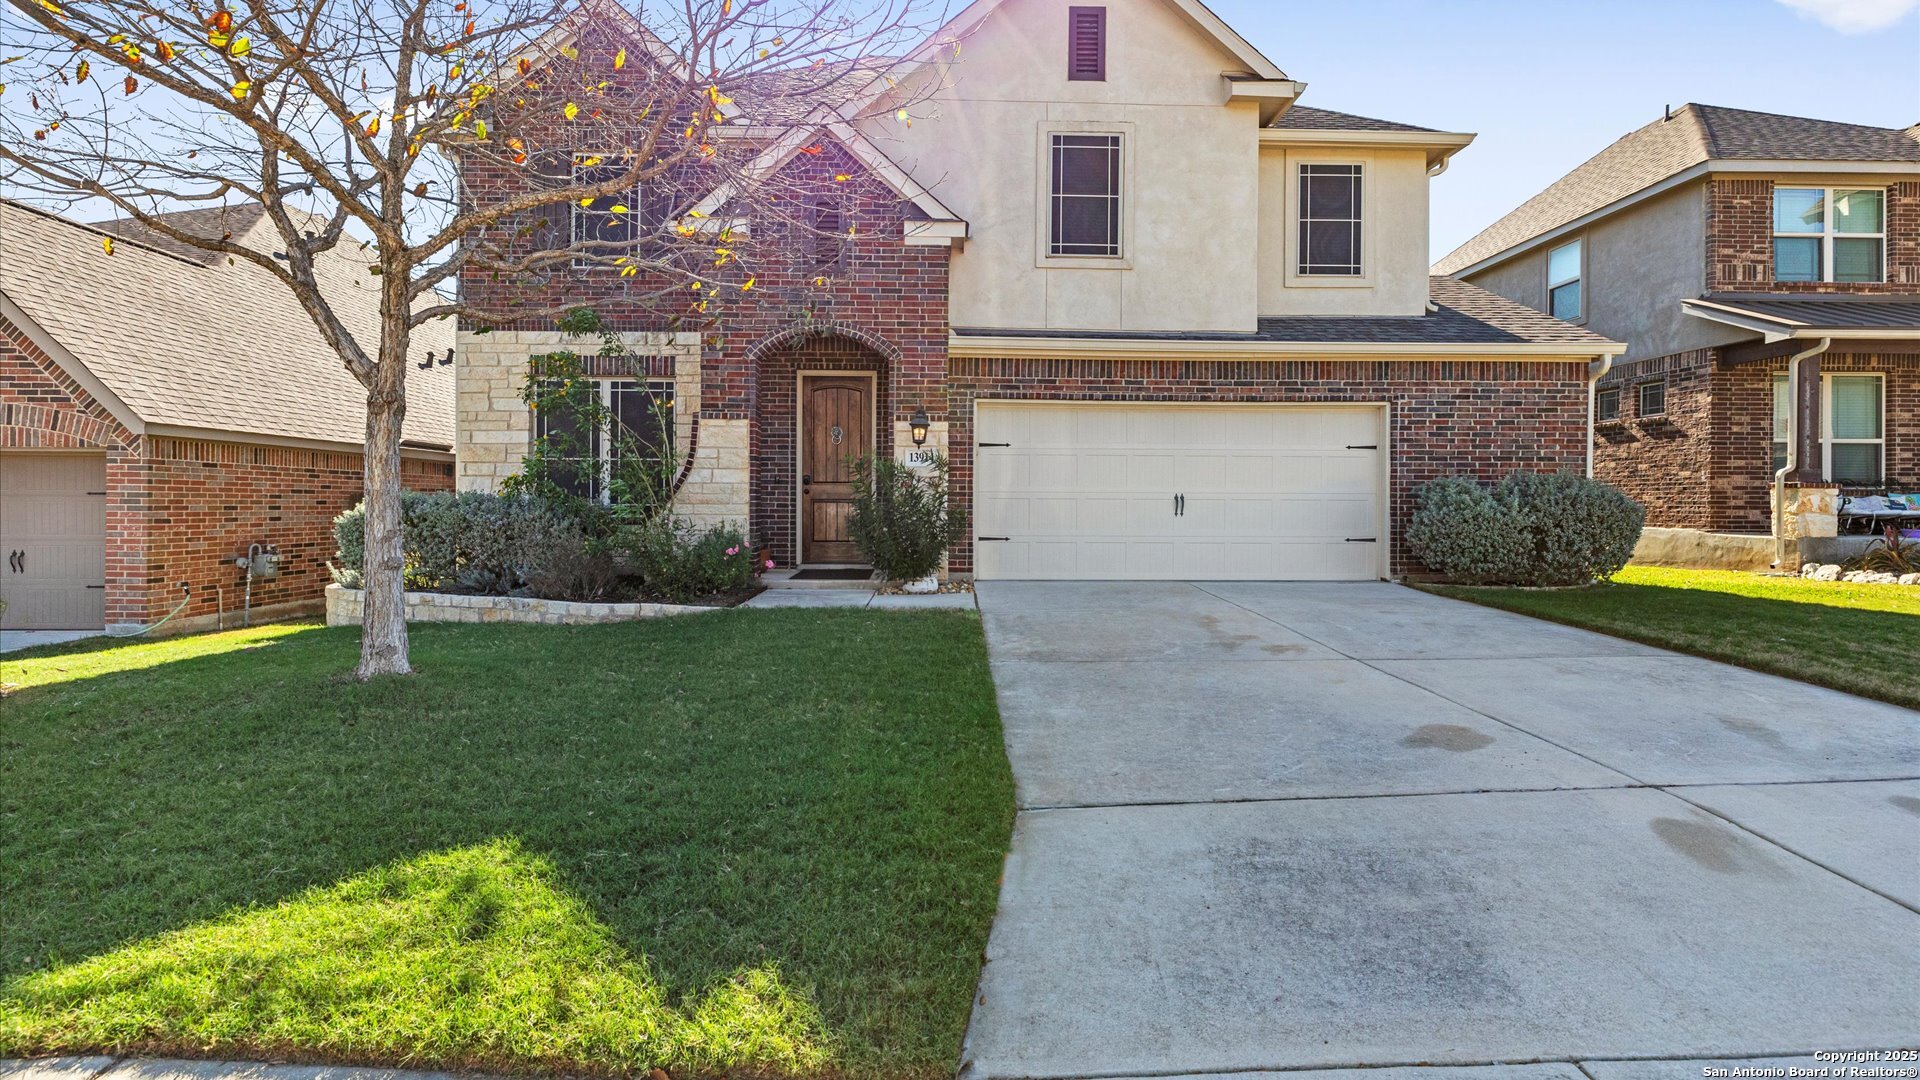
column 53, row 529
column 1172, row 492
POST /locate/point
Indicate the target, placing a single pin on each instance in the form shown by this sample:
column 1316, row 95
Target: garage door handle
column 1375, row 447
column 985, row 445
column 999, row 539
column 1363, row 539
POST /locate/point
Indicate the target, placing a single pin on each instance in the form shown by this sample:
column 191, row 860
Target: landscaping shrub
column 1533, row 529
column 467, row 542
column 902, row 521
column 680, row 564
column 1890, row 553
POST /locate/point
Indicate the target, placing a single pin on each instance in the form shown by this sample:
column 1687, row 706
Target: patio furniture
column 1873, row 513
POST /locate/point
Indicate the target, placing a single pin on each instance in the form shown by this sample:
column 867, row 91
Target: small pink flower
column 733, row 551
column 769, row 564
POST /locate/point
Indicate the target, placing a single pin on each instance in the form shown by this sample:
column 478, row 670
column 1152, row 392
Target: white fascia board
column 1781, row 329
column 1682, row 178
column 71, row 366
column 934, row 233
column 1015, row 347
column 1439, row 145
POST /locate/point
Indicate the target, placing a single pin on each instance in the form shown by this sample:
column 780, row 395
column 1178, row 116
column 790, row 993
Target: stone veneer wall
column 345, row 607
column 494, row 428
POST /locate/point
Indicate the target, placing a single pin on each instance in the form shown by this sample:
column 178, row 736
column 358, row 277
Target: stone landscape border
column 344, row 607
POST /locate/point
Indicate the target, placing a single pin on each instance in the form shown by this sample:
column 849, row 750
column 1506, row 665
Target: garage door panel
column 1087, row 491
column 53, row 537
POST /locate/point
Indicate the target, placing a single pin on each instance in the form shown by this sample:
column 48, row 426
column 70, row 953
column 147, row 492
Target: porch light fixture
column 920, row 425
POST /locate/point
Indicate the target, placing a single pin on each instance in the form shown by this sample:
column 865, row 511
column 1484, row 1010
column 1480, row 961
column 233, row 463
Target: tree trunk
column 383, row 624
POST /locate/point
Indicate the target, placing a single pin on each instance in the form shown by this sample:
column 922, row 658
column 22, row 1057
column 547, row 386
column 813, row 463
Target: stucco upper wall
column 1191, row 191
column 1393, row 200
column 1640, row 263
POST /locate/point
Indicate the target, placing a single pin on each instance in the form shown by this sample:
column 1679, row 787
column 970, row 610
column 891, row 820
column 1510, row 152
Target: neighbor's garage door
column 1207, row 492
column 53, row 529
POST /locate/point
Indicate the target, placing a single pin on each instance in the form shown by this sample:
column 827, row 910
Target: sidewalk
column 126, row 1068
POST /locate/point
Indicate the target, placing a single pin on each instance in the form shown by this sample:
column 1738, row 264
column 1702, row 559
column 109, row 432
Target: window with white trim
column 1564, row 282
column 1852, row 428
column 1829, row 234
column 1084, row 211
column 1652, row 399
column 610, row 222
column 1606, row 404
column 1330, row 220
column 634, row 416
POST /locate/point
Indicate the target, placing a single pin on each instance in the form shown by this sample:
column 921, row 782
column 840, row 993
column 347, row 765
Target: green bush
column 680, row 564
column 464, row 542
column 1532, row 529
column 902, row 521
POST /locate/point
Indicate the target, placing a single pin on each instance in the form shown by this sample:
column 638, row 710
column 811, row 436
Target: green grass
column 751, row 843
column 1863, row 639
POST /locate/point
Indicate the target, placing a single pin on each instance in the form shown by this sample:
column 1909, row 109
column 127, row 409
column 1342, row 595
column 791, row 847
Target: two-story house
column 1721, row 245
column 1164, row 321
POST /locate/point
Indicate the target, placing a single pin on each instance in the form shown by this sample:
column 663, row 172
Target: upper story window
column 1564, row 277
column 610, row 220
column 1829, row 234
column 1330, row 220
column 1084, row 204
column 1087, row 44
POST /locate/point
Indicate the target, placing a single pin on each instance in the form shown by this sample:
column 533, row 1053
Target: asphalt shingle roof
column 1466, row 315
column 1694, row 134
column 191, row 340
column 1307, row 118
column 1813, row 314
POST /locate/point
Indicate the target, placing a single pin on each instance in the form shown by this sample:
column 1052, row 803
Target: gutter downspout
column 1596, row 370
column 1793, row 450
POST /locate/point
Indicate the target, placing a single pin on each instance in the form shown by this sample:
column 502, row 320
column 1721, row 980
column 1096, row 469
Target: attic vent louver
column 1087, row 44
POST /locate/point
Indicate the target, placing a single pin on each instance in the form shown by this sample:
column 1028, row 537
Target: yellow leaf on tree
column 373, row 127
column 480, row 130
column 217, row 39
column 454, row 73
column 617, row 208
column 106, row 244
column 748, row 284
column 241, row 46
column 80, row 73
column 569, row 52
column 571, row 110
column 53, row 7
column 629, row 271
column 587, row 203
column 164, row 49
column 619, row 59
column 240, row 89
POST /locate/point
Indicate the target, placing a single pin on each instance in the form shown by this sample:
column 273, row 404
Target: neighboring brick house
column 162, row 409
column 1717, row 243
column 1165, row 322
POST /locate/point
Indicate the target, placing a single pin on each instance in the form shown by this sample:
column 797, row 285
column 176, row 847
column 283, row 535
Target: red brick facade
column 1449, row 418
column 1740, row 240
column 1706, row 462
column 182, row 510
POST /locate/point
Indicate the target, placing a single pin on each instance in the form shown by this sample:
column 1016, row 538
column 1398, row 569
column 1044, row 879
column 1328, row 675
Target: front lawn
column 1858, row 638
column 752, row 842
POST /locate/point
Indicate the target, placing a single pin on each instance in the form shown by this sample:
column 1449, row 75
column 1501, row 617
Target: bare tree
column 352, row 122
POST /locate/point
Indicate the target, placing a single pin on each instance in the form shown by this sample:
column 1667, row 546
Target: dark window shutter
column 552, row 223
column 1087, row 44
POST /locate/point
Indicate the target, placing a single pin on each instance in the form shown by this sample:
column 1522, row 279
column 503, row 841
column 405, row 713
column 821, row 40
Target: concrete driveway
column 1306, row 826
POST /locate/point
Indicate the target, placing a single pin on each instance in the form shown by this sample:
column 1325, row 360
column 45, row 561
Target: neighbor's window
column 633, row 417
column 1085, row 212
column 1852, row 432
column 1855, row 441
column 610, row 220
column 1653, row 399
column 1606, row 404
column 1829, row 234
column 1564, row 300
column 1330, row 220
column 1086, row 44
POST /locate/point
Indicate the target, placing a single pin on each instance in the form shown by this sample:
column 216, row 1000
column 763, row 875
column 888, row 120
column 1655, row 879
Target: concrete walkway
column 1303, row 827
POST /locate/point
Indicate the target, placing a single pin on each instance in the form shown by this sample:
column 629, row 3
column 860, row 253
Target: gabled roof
column 794, row 139
column 1694, row 135
column 185, row 339
column 1307, row 118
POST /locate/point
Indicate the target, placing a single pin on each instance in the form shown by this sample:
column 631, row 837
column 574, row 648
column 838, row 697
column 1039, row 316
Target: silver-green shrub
column 1533, row 529
column 468, row 541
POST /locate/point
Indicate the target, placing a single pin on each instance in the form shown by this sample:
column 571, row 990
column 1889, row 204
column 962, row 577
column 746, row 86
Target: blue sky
column 1547, row 84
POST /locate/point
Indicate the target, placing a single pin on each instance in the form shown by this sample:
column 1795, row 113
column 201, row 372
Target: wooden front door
column 836, row 426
